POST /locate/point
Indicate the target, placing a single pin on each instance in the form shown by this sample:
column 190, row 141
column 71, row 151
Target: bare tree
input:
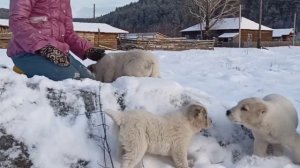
column 210, row 12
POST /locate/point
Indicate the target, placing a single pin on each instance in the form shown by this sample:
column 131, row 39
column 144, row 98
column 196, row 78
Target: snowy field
column 59, row 124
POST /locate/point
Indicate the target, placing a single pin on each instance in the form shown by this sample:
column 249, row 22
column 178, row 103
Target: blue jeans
column 34, row 64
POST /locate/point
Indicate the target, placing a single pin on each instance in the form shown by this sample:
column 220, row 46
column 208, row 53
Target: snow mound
column 60, row 124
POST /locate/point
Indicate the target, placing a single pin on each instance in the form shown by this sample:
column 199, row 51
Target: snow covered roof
column 282, row 32
column 85, row 27
column 230, row 24
column 228, row 35
column 93, row 27
column 4, row 22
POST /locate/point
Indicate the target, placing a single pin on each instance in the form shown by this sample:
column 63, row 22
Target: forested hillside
column 170, row 16
column 3, row 13
column 166, row 16
column 276, row 13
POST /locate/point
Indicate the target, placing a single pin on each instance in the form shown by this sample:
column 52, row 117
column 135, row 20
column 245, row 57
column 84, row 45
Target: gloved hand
column 54, row 55
column 95, row 54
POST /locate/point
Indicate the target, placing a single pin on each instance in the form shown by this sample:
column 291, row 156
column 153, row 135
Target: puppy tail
column 115, row 115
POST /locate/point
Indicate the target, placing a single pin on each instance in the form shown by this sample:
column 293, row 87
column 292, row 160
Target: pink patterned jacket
column 37, row 23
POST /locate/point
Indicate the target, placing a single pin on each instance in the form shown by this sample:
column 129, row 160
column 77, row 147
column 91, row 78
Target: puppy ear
column 197, row 110
column 245, row 108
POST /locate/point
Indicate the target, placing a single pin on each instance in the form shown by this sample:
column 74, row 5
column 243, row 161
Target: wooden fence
column 254, row 44
column 4, row 39
column 176, row 44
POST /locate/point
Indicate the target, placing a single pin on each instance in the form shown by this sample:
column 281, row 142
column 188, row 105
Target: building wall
column 4, row 29
column 252, row 35
column 90, row 36
column 5, row 36
column 109, row 40
column 191, row 35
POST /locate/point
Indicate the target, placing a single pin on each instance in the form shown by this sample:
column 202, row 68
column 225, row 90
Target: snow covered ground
column 60, row 127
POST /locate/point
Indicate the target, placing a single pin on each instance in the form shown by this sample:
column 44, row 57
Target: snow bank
column 61, row 125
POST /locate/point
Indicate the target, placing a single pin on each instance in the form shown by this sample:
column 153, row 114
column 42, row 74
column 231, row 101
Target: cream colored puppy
column 273, row 121
column 138, row 63
column 143, row 132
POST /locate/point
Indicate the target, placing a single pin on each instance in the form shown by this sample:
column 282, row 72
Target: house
column 227, row 30
column 283, row 34
column 150, row 35
column 99, row 34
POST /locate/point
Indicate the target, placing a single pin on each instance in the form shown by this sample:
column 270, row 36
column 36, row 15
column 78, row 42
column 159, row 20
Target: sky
column 84, row 8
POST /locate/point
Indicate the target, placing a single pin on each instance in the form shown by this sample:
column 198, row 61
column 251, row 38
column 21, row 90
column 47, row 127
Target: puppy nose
column 228, row 112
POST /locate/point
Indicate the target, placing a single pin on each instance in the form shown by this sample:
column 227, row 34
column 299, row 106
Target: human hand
column 54, row 55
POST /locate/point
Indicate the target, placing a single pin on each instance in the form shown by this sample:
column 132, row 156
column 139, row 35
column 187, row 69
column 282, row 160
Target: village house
column 283, row 34
column 99, row 34
column 227, row 30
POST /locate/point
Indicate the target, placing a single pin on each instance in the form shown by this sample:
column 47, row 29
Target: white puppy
column 273, row 121
column 143, row 132
column 138, row 63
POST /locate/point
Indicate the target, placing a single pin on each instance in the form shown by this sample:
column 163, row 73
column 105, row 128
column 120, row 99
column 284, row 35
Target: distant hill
column 165, row 16
column 276, row 13
column 170, row 16
column 4, row 13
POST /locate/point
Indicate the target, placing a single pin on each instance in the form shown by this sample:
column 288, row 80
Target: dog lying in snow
column 143, row 132
column 273, row 121
column 136, row 63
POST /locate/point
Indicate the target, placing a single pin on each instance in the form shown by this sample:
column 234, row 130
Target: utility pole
column 240, row 22
column 295, row 20
column 94, row 12
column 259, row 28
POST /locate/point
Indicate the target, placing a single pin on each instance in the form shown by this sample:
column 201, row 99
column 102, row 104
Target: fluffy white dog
column 273, row 121
column 138, row 63
column 143, row 132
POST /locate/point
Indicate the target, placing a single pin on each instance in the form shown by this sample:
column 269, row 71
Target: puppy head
column 197, row 115
column 248, row 112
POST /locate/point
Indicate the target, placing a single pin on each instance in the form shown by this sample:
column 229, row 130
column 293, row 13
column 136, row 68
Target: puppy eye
column 244, row 109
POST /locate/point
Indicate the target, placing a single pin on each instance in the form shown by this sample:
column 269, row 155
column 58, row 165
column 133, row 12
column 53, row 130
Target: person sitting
column 43, row 36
